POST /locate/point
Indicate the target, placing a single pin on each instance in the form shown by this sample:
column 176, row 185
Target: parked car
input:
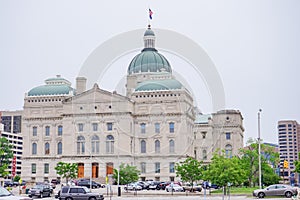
column 174, row 187
column 55, row 181
column 154, row 185
column 79, row 192
column 88, row 184
column 143, row 184
column 132, row 186
column 276, row 190
column 162, row 185
column 6, row 195
column 8, row 184
column 192, row 188
column 40, row 191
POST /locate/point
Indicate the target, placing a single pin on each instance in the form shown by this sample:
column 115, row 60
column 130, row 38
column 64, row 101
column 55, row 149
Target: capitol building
column 153, row 126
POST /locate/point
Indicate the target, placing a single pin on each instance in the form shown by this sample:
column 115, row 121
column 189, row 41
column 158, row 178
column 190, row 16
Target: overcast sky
column 254, row 45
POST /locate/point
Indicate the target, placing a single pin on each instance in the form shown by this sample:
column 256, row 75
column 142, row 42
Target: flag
column 150, row 13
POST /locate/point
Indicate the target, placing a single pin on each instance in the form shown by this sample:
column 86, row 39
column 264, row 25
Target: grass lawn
column 237, row 190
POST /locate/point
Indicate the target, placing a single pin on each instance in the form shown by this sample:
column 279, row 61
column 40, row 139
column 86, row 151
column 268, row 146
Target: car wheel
column 92, row 198
column 69, row 198
column 288, row 194
column 261, row 195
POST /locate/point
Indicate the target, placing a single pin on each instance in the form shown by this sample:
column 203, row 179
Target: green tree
column 6, row 154
column 223, row 171
column 189, row 170
column 17, row 178
column 67, row 170
column 127, row 174
column 250, row 163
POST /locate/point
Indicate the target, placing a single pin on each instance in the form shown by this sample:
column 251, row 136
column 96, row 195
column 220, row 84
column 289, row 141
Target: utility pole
column 259, row 150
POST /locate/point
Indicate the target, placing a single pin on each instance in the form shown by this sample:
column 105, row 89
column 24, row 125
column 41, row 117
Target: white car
column 133, row 186
column 174, row 187
column 6, row 195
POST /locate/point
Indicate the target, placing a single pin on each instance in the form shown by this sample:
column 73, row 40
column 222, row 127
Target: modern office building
column 153, row 126
column 11, row 129
column 288, row 140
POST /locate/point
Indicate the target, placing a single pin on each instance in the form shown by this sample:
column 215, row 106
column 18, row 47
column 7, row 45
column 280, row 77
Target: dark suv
column 40, row 191
column 78, row 193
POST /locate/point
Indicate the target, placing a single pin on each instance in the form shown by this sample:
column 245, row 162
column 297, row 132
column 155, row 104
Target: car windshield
column 4, row 192
column 86, row 190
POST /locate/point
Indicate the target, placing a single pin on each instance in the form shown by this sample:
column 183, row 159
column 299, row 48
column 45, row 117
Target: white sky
column 254, row 44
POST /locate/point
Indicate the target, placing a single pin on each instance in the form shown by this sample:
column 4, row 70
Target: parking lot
column 111, row 193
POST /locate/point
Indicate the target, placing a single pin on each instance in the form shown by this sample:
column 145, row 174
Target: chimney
column 80, row 85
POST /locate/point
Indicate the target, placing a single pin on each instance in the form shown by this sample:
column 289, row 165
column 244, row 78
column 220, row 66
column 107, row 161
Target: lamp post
column 259, row 150
column 119, row 188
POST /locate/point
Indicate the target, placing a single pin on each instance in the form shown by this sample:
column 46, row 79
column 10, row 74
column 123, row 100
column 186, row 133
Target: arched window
column 47, row 148
column 34, row 148
column 59, row 148
column 228, row 151
column 157, row 146
column 95, row 144
column 143, row 146
column 110, row 144
column 171, row 146
column 80, row 144
column 204, row 154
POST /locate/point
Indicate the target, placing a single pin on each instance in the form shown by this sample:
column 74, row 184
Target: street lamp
column 259, row 150
column 119, row 188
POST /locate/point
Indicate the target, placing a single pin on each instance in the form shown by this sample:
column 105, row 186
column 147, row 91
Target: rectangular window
column 157, row 167
column 17, row 124
column 228, row 136
column 172, row 167
column 143, row 167
column 80, row 127
column 143, row 128
column 34, row 131
column 33, row 168
column 171, row 127
column 6, row 121
column 59, row 130
column 109, row 126
column 95, row 126
column 47, row 130
column 46, row 168
column 157, row 127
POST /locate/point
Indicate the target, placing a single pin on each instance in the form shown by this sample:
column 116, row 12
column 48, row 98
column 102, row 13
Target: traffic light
column 285, row 164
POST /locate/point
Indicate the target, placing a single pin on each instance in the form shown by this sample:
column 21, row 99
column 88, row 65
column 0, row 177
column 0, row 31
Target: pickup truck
column 188, row 187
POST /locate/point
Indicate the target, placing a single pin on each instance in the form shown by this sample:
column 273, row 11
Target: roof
column 202, row 119
column 166, row 84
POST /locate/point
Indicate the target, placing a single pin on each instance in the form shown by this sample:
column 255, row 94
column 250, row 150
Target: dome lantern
column 149, row 38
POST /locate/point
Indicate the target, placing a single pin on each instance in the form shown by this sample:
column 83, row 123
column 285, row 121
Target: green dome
column 149, row 60
column 167, row 84
column 54, row 86
column 50, row 90
column 149, row 32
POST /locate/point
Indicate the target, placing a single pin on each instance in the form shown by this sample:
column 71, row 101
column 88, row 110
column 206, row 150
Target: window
column 47, row 148
column 47, row 130
column 204, row 154
column 203, row 134
column 95, row 126
column 33, row 168
column 34, row 148
column 143, row 128
column 46, row 168
column 34, row 131
column 171, row 127
column 143, row 167
column 80, row 127
column 157, row 146
column 110, row 144
column 157, row 167
column 171, row 146
column 59, row 148
column 172, row 167
column 157, row 127
column 80, row 144
column 59, row 130
column 95, row 144
column 228, row 151
column 109, row 126
column 143, row 146
column 228, row 136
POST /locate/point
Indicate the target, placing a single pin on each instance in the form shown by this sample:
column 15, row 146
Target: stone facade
column 153, row 126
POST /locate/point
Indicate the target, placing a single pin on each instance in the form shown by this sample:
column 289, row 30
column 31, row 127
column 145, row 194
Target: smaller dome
column 149, row 32
column 54, row 86
column 167, row 84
